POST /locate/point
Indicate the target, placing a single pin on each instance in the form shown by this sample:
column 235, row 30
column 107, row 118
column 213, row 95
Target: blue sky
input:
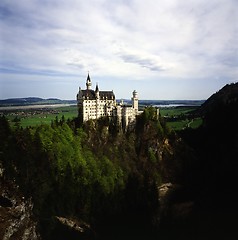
column 165, row 49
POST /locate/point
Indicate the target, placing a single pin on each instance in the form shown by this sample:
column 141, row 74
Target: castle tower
column 88, row 83
column 93, row 104
column 134, row 100
column 97, row 101
column 97, row 92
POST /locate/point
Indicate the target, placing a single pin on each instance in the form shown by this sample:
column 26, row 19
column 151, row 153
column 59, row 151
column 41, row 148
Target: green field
column 178, row 118
column 181, row 124
column 32, row 118
column 175, row 111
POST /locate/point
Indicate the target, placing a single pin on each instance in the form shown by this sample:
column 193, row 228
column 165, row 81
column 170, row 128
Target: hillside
column 220, row 132
column 33, row 101
column 146, row 183
column 215, row 175
column 217, row 139
column 225, row 96
column 221, row 106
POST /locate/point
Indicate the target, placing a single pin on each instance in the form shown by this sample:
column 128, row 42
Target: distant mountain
column 161, row 103
column 20, row 100
column 36, row 100
column 33, row 101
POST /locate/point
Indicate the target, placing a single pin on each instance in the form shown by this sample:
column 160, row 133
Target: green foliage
column 5, row 132
column 35, row 117
column 150, row 113
column 151, row 155
column 91, row 171
column 179, row 118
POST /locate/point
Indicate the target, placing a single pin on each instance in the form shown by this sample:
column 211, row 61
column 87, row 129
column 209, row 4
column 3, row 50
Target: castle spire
column 88, row 82
column 97, row 89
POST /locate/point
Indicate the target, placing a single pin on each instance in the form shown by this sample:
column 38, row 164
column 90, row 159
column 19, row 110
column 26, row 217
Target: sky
column 164, row 49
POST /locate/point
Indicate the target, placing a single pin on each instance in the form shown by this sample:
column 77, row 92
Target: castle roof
column 91, row 94
column 88, row 78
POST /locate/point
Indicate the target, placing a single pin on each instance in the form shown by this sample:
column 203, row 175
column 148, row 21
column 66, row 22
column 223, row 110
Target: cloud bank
column 174, row 44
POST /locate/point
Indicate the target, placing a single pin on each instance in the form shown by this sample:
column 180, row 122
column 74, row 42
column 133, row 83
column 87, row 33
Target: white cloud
column 135, row 40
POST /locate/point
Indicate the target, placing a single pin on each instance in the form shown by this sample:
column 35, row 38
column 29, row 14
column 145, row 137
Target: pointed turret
column 88, row 83
column 97, row 91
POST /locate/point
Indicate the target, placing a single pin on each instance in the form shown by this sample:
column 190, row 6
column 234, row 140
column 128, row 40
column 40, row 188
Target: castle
column 93, row 104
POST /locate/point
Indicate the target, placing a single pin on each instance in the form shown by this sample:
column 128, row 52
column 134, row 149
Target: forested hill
column 216, row 146
column 93, row 172
column 222, row 105
column 144, row 183
column 226, row 95
column 217, row 138
column 33, row 101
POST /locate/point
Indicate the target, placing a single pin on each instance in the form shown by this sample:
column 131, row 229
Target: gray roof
column 91, row 94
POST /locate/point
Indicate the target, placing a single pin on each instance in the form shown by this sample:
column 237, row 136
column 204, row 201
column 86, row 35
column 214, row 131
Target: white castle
column 95, row 104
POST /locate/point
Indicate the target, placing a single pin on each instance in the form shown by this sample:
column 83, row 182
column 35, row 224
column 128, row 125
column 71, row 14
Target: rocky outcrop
column 16, row 217
column 73, row 228
column 174, row 206
column 70, row 227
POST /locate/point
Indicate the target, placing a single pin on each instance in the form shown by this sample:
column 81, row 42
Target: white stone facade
column 95, row 104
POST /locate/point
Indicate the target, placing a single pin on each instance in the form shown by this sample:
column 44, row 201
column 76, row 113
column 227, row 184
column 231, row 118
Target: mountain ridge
column 32, row 101
column 225, row 96
column 146, row 102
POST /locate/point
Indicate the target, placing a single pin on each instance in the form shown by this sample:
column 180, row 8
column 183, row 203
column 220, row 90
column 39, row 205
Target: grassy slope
column 177, row 112
column 45, row 117
column 70, row 112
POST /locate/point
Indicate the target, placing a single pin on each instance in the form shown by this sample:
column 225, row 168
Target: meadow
column 177, row 118
column 34, row 117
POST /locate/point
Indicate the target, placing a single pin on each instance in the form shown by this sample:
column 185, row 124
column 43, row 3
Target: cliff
column 16, row 216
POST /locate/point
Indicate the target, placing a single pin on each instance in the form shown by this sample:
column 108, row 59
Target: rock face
column 68, row 228
column 173, row 205
column 16, row 217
